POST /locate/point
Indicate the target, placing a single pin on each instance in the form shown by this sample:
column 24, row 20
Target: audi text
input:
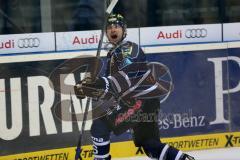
column 91, row 40
column 7, row 44
column 175, row 35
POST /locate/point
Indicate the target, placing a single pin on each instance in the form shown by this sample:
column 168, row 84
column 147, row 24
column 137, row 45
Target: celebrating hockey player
column 129, row 82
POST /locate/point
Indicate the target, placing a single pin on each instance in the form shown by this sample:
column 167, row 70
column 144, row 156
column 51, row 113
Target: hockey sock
column 173, row 154
column 101, row 148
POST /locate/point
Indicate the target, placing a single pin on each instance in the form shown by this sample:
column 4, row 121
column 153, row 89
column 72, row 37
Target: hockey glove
column 87, row 88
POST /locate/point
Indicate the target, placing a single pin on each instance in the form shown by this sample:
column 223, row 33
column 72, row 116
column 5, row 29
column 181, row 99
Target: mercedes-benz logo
column 28, row 42
column 196, row 33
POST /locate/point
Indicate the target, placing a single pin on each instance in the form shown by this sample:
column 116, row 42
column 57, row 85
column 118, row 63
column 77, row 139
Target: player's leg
column 146, row 135
column 101, row 139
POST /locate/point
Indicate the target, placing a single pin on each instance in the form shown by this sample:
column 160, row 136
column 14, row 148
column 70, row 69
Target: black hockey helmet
column 117, row 19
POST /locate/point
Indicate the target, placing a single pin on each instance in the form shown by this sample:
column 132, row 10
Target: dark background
column 29, row 16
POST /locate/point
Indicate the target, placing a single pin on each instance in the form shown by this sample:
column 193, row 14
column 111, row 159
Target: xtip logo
column 139, row 151
column 232, row 140
column 87, row 154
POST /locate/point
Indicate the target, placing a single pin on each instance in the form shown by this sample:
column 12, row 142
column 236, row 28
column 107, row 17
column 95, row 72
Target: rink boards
column 127, row 148
column 202, row 111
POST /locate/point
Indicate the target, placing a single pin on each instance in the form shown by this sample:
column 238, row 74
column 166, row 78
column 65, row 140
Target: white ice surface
column 213, row 154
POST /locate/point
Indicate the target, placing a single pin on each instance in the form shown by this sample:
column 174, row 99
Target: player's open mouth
column 114, row 36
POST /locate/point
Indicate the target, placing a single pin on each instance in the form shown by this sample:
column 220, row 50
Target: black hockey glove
column 96, row 89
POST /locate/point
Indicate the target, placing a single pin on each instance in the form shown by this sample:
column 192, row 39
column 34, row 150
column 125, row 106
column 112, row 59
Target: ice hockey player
column 126, row 69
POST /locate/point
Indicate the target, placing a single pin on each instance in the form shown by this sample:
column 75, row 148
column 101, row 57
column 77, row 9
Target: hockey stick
column 108, row 12
column 19, row 29
column 79, row 145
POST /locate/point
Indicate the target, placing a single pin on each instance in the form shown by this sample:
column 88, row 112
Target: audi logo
column 196, row 33
column 28, row 42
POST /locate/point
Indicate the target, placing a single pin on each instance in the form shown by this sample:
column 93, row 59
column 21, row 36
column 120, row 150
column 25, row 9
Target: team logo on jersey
column 126, row 51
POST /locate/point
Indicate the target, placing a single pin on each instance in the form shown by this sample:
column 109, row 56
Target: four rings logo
column 196, row 33
column 28, row 42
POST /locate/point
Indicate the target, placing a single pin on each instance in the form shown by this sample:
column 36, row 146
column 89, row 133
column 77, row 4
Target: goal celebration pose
column 129, row 83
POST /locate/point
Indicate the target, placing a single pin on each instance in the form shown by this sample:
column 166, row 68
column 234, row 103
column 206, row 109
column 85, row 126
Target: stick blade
column 111, row 6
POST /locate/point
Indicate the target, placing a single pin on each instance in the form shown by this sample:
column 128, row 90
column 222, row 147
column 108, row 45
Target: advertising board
column 24, row 43
column 184, row 34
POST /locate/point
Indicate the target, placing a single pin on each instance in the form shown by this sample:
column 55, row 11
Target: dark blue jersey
column 123, row 55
